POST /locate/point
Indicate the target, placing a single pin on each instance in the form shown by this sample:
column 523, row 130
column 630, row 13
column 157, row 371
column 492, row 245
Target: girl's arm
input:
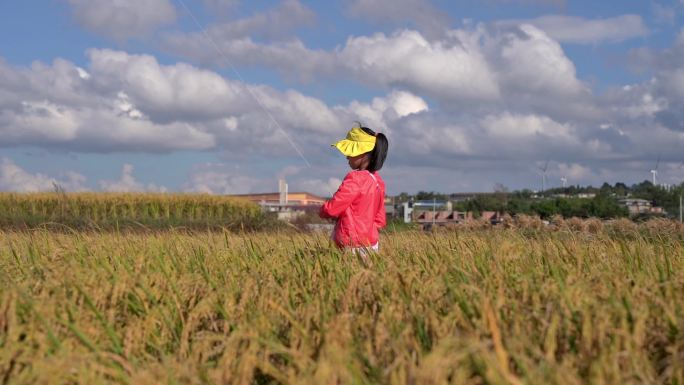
column 343, row 198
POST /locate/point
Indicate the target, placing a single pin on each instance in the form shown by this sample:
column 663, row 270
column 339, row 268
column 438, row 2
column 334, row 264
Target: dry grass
column 491, row 306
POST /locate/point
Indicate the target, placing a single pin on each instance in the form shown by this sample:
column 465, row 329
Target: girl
column 358, row 206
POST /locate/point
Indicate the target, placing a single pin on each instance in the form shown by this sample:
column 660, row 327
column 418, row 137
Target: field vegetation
column 571, row 303
column 107, row 211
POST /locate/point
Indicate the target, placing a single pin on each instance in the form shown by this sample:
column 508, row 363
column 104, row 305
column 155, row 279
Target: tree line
column 563, row 201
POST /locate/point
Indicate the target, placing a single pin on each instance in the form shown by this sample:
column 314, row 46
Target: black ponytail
column 379, row 153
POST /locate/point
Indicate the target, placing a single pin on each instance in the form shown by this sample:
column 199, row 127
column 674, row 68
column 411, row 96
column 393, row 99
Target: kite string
column 239, row 76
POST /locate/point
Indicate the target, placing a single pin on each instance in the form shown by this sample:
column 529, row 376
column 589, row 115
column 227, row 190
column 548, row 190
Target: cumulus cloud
column 444, row 141
column 661, row 96
column 16, row 179
column 104, row 129
column 164, row 92
column 128, row 183
column 430, row 140
column 382, row 111
column 572, row 171
column 230, row 111
column 324, row 188
column 449, row 69
column 219, row 178
column 579, row 30
column 535, row 74
column 473, row 103
column 515, row 129
column 479, row 67
column 453, row 69
column 122, row 19
column 65, row 106
column 124, row 102
column 224, row 178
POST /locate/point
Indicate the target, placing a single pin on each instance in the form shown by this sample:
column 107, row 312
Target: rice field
column 107, row 211
column 473, row 306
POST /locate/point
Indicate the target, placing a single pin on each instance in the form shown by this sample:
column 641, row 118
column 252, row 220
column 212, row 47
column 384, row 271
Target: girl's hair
column 379, row 153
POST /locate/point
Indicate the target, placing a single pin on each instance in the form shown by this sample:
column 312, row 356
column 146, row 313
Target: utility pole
column 680, row 209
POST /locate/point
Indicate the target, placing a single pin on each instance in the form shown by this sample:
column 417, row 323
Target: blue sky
column 131, row 96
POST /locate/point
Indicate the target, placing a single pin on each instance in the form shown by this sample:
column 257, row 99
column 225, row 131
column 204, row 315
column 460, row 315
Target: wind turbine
column 654, row 172
column 543, row 170
column 564, row 181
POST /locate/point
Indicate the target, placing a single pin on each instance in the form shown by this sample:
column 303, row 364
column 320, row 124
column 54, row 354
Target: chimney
column 282, row 189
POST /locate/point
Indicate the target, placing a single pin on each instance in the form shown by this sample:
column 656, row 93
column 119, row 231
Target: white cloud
column 483, row 97
column 449, row 69
column 662, row 96
column 382, row 111
column 164, row 92
column 218, row 178
column 423, row 141
column 534, row 66
column 128, row 183
column 274, row 23
column 290, row 57
column 573, row 171
column 16, row 179
column 535, row 74
column 636, row 101
column 123, row 19
column 479, row 67
column 404, row 103
column 222, row 178
column 83, row 74
column 324, row 188
column 126, row 107
column 579, row 30
column 419, row 13
column 522, row 128
column 185, row 93
column 42, row 119
column 452, row 69
column 133, row 103
column 104, row 129
column 60, row 107
column 444, row 140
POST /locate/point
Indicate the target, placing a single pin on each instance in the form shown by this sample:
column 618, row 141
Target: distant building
column 452, row 217
column 286, row 205
column 441, row 216
column 294, row 198
column 637, row 206
column 431, row 205
column 406, row 211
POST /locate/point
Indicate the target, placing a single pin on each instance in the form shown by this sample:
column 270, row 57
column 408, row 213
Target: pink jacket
column 359, row 207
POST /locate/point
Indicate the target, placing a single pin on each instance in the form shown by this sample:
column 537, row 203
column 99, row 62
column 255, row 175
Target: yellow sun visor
column 356, row 143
